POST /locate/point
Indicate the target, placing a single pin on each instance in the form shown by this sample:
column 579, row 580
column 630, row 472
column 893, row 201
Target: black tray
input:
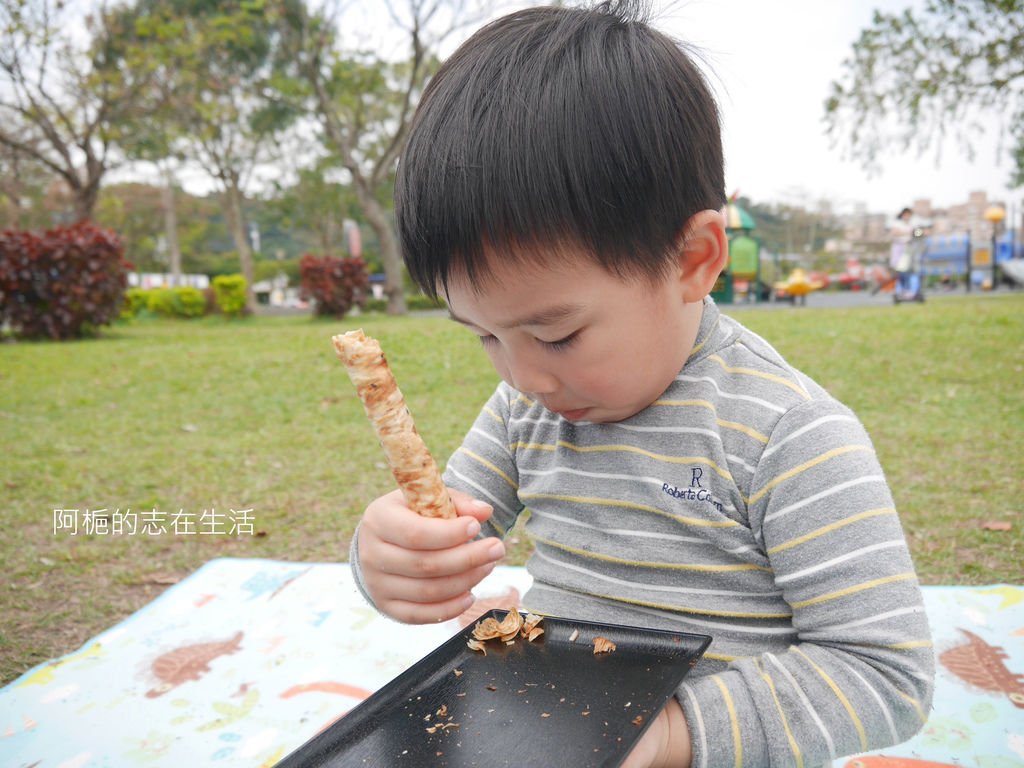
column 544, row 702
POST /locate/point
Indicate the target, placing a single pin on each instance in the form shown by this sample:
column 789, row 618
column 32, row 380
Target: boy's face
column 589, row 345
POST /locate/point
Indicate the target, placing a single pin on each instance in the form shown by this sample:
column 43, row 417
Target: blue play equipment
column 950, row 254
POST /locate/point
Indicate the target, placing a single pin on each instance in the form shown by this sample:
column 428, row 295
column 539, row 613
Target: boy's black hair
column 568, row 128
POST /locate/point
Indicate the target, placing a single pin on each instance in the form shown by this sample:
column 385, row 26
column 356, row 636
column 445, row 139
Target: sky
column 771, row 64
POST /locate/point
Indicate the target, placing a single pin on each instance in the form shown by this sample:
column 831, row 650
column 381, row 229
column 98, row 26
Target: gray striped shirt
column 746, row 504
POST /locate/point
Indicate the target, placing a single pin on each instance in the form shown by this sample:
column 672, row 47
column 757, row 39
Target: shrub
column 62, row 283
column 230, row 294
column 334, row 284
column 135, row 300
column 160, row 301
column 413, row 302
column 189, row 301
column 418, row 301
column 182, row 301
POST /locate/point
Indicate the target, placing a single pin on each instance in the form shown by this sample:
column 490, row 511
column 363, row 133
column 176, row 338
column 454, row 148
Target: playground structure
column 742, row 274
column 955, row 256
column 947, row 260
column 741, row 279
column 796, row 287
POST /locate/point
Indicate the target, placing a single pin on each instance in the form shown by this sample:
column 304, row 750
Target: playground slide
column 1014, row 270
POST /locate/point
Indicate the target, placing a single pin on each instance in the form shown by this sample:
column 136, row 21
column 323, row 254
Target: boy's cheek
column 499, row 366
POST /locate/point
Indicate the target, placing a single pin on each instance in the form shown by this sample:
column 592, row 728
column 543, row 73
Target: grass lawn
column 188, row 417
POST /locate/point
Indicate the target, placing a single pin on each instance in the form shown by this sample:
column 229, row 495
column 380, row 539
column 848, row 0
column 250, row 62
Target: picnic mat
column 245, row 660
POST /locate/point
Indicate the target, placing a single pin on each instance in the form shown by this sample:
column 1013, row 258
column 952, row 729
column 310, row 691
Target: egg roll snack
column 410, row 461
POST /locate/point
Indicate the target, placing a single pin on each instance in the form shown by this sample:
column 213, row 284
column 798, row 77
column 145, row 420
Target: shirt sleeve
column 861, row 673
column 484, row 467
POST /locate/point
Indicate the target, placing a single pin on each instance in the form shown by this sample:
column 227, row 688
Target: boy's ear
column 703, row 254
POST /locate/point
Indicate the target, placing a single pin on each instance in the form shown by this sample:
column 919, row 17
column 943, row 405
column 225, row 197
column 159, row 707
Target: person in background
column 907, row 256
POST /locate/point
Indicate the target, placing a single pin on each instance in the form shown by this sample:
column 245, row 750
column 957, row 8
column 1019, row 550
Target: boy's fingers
column 397, row 524
column 431, row 591
column 416, row 613
column 435, row 564
column 430, row 600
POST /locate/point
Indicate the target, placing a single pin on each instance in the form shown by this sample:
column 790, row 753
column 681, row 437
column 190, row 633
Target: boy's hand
column 419, row 570
column 666, row 744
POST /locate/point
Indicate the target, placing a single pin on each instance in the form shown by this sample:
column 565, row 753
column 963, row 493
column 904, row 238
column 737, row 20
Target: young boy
column 561, row 190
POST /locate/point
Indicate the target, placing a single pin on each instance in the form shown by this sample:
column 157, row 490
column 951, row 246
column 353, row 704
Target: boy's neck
column 694, row 314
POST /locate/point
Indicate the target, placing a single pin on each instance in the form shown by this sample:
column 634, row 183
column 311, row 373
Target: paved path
column 843, row 299
column 818, row 299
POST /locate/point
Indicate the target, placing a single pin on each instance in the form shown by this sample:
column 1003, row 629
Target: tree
column 140, row 41
column 365, row 105
column 315, row 208
column 214, row 58
column 917, row 75
column 59, row 104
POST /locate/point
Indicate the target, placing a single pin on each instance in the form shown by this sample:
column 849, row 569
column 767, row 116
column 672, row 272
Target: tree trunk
column 13, row 205
column 171, row 226
column 390, row 257
column 338, row 140
column 232, row 200
column 83, row 201
column 86, row 193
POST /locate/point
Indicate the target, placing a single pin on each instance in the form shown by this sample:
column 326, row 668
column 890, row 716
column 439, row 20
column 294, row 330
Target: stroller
column 908, row 268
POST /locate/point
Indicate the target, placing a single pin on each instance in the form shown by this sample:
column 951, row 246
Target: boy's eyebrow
column 546, row 316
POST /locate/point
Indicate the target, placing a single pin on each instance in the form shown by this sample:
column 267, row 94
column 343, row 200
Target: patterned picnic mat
column 245, row 660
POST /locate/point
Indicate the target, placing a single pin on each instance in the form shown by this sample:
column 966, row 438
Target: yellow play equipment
column 797, row 286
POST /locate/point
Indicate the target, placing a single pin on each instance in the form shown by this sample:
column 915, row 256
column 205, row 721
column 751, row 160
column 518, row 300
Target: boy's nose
column 530, row 378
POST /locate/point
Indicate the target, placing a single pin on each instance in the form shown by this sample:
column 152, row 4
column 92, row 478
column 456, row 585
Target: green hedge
column 230, row 293
column 414, row 303
column 181, row 301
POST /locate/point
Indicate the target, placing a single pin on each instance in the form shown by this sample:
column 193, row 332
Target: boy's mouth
column 573, row 415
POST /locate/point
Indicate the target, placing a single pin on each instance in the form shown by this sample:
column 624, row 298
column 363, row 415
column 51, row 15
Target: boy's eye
column 555, row 346
column 561, row 344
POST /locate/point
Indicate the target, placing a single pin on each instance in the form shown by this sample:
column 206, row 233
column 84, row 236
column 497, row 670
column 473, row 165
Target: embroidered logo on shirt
column 696, row 491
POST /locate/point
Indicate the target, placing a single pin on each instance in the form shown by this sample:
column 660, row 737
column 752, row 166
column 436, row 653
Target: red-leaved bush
column 334, row 284
column 62, row 283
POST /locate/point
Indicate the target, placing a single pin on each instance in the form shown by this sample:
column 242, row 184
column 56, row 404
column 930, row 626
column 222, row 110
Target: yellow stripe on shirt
column 734, row 425
column 761, row 375
column 831, row 527
column 805, row 466
column 480, row 459
column 910, row 644
column 491, row 412
column 851, row 590
column 631, row 505
column 734, row 568
column 793, row 746
column 915, row 704
column 737, row 742
column 842, row 699
column 695, row 612
column 710, row 335
column 724, row 473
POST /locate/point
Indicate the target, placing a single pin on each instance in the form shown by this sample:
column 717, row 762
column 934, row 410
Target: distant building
column 148, row 280
column 867, row 234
